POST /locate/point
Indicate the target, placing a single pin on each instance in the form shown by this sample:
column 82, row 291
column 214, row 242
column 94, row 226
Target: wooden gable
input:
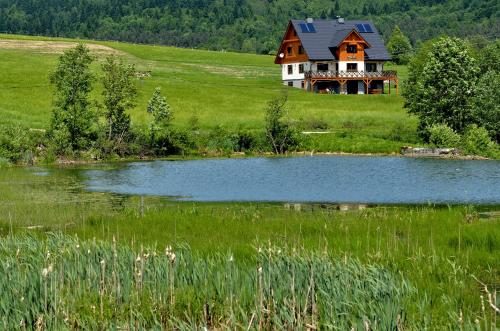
column 353, row 39
column 291, row 48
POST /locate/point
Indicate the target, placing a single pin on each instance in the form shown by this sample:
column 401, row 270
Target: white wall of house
column 331, row 65
column 295, row 71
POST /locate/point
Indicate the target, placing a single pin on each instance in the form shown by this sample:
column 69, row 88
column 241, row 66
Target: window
column 371, row 67
column 301, row 68
column 290, row 84
column 337, row 67
column 301, row 50
column 352, row 49
column 289, row 50
column 290, row 69
column 322, row 66
column 352, row 67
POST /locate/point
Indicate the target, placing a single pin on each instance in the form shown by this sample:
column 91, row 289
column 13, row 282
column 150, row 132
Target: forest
column 253, row 26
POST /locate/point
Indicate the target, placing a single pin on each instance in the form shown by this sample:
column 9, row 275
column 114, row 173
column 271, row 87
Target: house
column 335, row 56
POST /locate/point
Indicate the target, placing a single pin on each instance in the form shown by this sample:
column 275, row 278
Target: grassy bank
column 437, row 251
column 219, row 88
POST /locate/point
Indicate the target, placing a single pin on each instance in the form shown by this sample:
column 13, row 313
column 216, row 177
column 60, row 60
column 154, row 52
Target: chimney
column 309, row 20
column 340, row 20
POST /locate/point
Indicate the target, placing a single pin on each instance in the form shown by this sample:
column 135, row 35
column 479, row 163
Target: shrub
column 173, row 142
column 222, row 141
column 281, row 136
column 4, row 163
column 18, row 144
column 441, row 135
column 476, row 141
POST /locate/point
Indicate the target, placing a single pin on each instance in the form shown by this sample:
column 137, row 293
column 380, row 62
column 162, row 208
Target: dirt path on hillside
column 53, row 47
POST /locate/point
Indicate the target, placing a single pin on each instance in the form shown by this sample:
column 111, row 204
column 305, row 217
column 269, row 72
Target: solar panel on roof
column 311, row 27
column 368, row 28
column 307, row 28
column 361, row 27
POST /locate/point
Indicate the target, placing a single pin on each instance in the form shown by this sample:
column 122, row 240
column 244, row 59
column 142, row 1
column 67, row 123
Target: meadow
column 218, row 88
column 426, row 260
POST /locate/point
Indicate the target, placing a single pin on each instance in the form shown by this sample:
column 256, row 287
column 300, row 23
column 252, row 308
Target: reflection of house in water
column 334, row 56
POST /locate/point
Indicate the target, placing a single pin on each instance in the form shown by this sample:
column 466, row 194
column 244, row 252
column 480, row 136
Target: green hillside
column 242, row 25
column 219, row 88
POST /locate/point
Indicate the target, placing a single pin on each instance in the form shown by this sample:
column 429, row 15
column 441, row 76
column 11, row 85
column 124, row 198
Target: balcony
column 351, row 75
column 347, row 81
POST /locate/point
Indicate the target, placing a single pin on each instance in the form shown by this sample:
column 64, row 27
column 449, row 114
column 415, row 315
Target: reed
column 65, row 283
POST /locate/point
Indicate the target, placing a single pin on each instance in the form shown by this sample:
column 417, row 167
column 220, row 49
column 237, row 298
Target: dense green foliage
column 441, row 90
column 72, row 127
column 441, row 135
column 246, row 25
column 486, row 104
column 452, row 92
column 399, row 47
column 476, row 141
column 119, row 96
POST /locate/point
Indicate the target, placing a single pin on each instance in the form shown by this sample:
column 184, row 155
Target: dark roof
column 329, row 33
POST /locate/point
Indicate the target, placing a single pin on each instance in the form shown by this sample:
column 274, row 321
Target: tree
column 279, row 133
column 119, row 96
column 162, row 114
column 486, row 104
column 439, row 91
column 490, row 58
column 72, row 81
column 399, row 46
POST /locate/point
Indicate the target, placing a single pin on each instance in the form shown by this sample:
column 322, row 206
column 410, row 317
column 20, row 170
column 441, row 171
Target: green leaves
column 439, row 89
column 72, row 81
column 119, row 96
column 399, row 46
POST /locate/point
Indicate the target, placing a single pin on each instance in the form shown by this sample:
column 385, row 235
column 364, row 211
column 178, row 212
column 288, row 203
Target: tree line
column 241, row 25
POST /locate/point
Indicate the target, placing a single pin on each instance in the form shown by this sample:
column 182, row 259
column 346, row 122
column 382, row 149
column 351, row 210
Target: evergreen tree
column 399, row 46
column 72, row 119
column 440, row 92
column 119, row 96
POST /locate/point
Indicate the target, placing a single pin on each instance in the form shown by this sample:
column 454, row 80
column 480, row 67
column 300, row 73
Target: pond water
column 339, row 179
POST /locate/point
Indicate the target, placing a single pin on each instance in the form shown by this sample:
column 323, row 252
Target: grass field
column 436, row 251
column 228, row 89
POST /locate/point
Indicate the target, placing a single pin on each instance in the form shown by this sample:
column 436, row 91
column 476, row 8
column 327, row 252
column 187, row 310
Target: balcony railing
column 351, row 74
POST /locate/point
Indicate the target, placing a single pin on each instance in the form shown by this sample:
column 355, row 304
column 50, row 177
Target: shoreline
column 75, row 162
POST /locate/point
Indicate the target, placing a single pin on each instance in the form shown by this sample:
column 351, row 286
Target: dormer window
column 353, row 49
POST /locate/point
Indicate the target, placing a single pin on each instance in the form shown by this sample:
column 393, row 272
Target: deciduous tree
column 119, row 96
column 399, row 46
column 440, row 92
column 72, row 81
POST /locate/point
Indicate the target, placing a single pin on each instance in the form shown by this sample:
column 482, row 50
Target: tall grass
column 66, row 283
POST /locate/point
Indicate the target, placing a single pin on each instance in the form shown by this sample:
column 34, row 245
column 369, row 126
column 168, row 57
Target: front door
column 352, row 87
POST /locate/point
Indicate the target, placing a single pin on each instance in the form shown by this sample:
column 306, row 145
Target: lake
column 332, row 179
